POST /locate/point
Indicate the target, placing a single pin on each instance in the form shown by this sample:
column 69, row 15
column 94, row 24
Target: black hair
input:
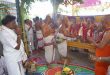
column 34, row 19
column 37, row 18
column 25, row 21
column 40, row 19
column 7, row 19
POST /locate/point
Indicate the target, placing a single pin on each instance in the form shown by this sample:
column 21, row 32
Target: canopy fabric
column 87, row 8
column 87, row 3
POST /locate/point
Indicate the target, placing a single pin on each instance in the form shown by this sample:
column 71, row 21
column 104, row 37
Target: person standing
column 29, row 32
column 102, row 48
column 39, row 34
column 62, row 35
column 13, row 47
column 48, row 34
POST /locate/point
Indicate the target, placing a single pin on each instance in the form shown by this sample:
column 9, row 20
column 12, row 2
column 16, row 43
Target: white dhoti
column 12, row 57
column 30, row 39
column 39, row 36
column 31, row 42
column 16, row 69
column 62, row 47
column 49, row 49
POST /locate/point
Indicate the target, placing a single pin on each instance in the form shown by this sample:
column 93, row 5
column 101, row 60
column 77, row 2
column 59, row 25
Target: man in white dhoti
column 13, row 48
column 29, row 32
column 48, row 34
column 61, row 37
column 39, row 35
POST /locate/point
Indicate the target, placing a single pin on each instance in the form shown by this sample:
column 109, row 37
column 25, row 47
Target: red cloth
column 39, row 39
column 84, row 32
column 77, row 27
column 101, row 67
column 72, row 29
column 91, row 31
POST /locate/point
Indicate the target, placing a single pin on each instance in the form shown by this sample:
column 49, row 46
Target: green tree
column 56, row 3
column 23, row 11
column 3, row 11
column 25, row 5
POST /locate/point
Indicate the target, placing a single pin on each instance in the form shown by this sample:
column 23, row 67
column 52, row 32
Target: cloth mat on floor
column 56, row 70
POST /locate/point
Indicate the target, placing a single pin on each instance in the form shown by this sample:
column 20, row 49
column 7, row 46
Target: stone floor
column 82, row 58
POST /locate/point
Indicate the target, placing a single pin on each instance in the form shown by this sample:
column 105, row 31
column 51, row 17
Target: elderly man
column 62, row 36
column 13, row 48
column 48, row 40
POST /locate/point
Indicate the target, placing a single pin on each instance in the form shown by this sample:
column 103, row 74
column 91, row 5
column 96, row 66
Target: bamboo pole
column 23, row 29
column 20, row 14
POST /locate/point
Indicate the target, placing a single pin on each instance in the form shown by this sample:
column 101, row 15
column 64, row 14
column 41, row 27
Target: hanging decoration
column 78, row 8
column 88, row 3
column 75, row 10
column 71, row 2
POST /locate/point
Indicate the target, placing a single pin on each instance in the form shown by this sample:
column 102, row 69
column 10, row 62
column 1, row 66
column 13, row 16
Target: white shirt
column 3, row 69
column 29, row 32
column 9, row 40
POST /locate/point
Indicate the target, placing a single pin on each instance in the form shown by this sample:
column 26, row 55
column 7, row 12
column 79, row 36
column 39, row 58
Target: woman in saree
column 102, row 48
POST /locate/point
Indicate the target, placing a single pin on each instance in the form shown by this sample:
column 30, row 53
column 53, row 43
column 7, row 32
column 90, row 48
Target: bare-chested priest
column 48, row 34
column 61, row 38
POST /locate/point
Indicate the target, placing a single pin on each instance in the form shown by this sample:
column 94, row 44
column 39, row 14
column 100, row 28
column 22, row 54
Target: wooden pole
column 20, row 19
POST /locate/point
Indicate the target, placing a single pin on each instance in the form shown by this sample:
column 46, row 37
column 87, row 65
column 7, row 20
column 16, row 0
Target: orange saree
column 101, row 67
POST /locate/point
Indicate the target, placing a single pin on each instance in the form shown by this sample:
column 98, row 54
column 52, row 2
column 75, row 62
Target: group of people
column 49, row 34
column 86, row 30
column 46, row 34
column 52, row 39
